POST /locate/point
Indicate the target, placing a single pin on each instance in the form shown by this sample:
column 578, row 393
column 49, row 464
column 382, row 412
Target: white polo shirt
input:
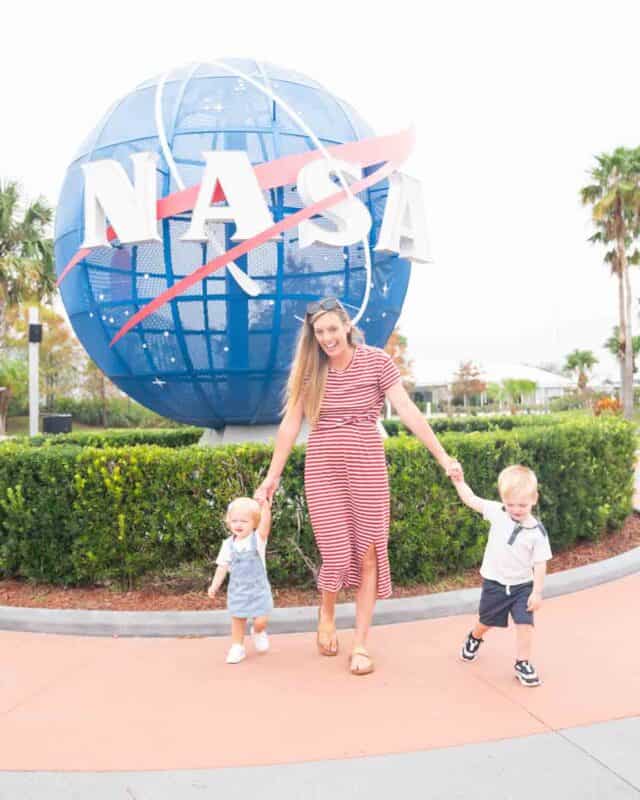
column 224, row 555
column 506, row 563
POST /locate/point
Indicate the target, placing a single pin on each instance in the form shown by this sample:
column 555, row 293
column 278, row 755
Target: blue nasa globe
column 218, row 354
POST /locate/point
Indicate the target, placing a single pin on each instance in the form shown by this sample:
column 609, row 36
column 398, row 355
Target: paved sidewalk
column 162, row 718
column 597, row 762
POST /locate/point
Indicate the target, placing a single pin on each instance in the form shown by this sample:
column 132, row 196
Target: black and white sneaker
column 470, row 648
column 526, row 674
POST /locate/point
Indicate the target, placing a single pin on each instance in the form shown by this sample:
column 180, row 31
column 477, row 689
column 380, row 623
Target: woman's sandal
column 361, row 651
column 326, row 635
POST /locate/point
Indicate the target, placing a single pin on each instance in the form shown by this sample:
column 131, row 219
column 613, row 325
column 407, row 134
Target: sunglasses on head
column 328, row 304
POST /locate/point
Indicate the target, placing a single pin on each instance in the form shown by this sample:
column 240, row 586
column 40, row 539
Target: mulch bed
column 157, row 598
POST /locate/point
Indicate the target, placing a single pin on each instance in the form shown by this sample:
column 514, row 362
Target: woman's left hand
column 452, row 468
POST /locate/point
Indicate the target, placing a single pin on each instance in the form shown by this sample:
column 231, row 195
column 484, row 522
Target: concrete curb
column 296, row 619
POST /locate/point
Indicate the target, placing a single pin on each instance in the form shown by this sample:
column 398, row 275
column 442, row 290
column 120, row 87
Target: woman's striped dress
column 346, row 483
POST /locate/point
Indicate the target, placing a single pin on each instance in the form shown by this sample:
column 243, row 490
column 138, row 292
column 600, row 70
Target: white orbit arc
column 246, row 283
column 268, row 91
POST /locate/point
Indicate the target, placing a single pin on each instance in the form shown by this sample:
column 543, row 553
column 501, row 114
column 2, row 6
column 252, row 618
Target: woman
column 339, row 384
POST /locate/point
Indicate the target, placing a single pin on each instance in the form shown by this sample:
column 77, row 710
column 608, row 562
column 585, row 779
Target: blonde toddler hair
column 247, row 504
column 517, row 478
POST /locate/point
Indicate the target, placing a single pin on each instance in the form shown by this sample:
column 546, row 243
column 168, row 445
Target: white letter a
column 404, row 228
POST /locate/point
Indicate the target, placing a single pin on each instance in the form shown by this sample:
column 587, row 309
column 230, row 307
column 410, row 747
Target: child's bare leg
column 479, row 630
column 238, row 625
column 260, row 624
column 524, row 641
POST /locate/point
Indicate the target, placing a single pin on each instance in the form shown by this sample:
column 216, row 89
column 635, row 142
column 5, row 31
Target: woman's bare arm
column 413, row 418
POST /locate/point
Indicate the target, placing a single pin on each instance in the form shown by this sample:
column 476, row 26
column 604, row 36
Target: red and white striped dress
column 345, row 475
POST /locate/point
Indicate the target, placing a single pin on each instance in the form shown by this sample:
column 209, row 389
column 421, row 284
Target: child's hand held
column 534, row 602
column 454, row 471
column 266, row 490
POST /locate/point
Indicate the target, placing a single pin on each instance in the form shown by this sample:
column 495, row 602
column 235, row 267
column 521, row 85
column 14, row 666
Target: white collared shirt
column 241, row 545
column 506, row 563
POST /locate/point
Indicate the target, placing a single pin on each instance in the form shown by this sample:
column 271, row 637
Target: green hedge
column 75, row 515
column 468, row 424
column 178, row 437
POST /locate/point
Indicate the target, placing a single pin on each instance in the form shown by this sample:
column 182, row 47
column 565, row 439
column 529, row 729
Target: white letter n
column 131, row 209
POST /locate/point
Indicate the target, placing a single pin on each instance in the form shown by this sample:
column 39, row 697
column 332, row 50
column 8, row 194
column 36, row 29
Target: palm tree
column 580, row 362
column 613, row 346
column 615, row 197
column 517, row 390
column 26, row 254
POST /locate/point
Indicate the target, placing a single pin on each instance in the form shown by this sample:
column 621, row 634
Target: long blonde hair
column 310, row 366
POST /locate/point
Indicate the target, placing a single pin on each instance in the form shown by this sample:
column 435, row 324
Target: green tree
column 467, row 382
column 97, row 386
column 396, row 347
column 579, row 363
column 517, row 390
column 614, row 195
column 26, row 252
column 613, row 346
column 60, row 354
column 496, row 393
column 13, row 386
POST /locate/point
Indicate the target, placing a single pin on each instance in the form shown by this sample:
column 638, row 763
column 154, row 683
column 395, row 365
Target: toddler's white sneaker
column 260, row 641
column 236, row 654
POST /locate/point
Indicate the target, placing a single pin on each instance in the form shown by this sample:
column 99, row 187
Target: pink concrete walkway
column 70, row 703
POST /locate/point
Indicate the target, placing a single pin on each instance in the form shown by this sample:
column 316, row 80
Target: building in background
column 433, row 380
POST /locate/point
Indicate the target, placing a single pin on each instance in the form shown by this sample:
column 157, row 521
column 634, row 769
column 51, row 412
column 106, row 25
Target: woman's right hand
column 266, row 490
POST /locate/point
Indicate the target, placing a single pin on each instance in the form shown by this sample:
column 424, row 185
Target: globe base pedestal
column 242, row 434
column 262, row 434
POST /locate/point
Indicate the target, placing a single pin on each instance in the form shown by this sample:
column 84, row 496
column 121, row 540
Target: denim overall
column 249, row 593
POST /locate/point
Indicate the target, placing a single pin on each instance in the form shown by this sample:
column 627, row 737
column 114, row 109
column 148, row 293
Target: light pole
column 35, row 337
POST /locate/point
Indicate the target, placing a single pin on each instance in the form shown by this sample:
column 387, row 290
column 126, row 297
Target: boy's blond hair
column 248, row 504
column 517, row 478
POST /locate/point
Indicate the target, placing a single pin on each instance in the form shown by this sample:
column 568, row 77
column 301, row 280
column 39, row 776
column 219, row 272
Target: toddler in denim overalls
column 243, row 555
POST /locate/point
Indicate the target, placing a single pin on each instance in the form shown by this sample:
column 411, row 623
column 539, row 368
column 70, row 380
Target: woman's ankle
column 328, row 609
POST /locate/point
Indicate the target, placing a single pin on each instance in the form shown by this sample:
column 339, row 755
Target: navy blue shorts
column 496, row 604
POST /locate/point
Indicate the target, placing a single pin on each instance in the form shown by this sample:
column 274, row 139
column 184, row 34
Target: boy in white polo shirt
column 513, row 566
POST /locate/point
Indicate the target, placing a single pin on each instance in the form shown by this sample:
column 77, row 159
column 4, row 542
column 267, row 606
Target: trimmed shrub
column 37, row 524
column 568, row 402
column 77, row 515
column 467, row 424
column 178, row 437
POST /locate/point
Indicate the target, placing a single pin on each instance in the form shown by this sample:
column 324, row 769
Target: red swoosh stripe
column 249, row 244
column 276, row 173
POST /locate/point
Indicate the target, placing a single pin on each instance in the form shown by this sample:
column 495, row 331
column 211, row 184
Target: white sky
column 511, row 100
